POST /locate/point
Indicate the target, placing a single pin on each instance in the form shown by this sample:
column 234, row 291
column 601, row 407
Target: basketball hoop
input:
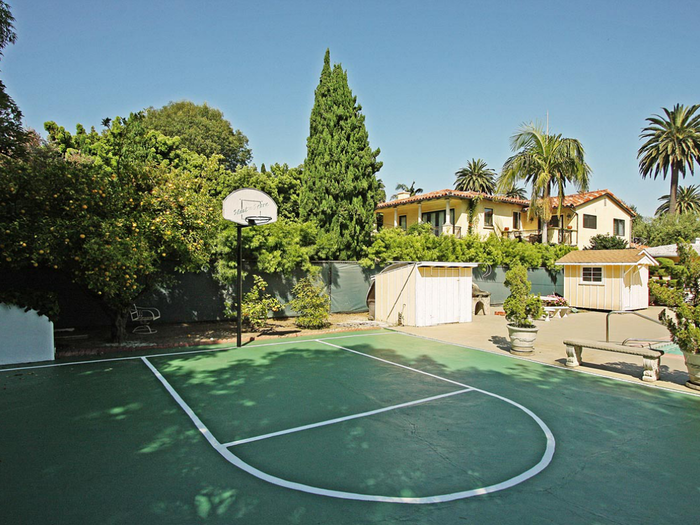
column 246, row 207
column 256, row 220
column 249, row 207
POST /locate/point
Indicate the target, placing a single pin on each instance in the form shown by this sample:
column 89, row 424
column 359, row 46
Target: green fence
column 544, row 282
column 200, row 297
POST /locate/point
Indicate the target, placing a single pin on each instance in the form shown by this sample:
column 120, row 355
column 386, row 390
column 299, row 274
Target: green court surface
column 363, row 427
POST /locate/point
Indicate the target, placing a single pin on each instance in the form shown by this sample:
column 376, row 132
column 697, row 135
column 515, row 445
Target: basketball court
column 358, row 427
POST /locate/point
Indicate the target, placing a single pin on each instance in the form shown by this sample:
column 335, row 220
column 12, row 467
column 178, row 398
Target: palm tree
column 687, row 201
column 476, row 176
column 671, row 143
column 411, row 190
column 546, row 162
column 515, row 192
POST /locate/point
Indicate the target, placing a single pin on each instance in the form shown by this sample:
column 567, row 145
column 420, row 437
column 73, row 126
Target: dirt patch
column 96, row 341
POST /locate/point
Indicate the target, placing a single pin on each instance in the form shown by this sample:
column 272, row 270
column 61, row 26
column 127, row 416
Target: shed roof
column 399, row 264
column 608, row 257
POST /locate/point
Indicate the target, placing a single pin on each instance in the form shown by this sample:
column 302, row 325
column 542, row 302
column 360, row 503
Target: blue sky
column 439, row 82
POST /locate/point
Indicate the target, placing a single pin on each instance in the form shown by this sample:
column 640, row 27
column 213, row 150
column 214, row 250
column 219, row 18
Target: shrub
column 311, row 303
column 684, row 300
column 607, row 242
column 521, row 306
column 257, row 305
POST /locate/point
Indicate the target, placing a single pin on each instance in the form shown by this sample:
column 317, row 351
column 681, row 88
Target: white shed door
column 443, row 296
column 634, row 292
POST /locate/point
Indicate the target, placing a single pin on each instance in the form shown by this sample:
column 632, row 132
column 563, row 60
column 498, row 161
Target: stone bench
column 556, row 311
column 652, row 358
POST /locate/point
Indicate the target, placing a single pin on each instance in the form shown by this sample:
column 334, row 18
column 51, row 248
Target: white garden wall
column 24, row 336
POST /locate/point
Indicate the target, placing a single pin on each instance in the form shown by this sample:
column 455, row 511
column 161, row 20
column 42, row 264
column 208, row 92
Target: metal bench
column 652, row 358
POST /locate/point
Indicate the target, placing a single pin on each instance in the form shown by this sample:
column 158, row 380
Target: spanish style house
column 452, row 212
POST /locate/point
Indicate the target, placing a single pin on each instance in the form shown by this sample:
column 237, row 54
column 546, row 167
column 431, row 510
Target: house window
column 619, row 227
column 488, row 217
column 590, row 221
column 554, row 221
column 403, row 223
column 437, row 219
column 592, row 274
column 380, row 221
column 516, row 220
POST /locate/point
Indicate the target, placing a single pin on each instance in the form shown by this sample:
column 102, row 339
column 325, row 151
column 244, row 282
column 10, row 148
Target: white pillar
column 420, row 212
column 447, row 212
column 396, row 217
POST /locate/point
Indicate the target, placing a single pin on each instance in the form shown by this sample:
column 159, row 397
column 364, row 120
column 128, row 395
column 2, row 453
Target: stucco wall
column 606, row 210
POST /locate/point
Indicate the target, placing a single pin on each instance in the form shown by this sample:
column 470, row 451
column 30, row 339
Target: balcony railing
column 564, row 236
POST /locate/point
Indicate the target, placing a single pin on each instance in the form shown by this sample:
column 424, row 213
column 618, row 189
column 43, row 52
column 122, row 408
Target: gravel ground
column 96, row 341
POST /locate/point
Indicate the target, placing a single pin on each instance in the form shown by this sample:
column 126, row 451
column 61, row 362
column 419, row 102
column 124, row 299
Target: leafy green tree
column 7, row 28
column 411, row 190
column 672, row 143
column 419, row 244
column 547, row 162
column 687, row 201
column 12, row 135
column 340, row 190
column 201, row 129
column 118, row 212
column 280, row 247
column 280, row 182
column 667, row 229
column 476, row 176
column 607, row 242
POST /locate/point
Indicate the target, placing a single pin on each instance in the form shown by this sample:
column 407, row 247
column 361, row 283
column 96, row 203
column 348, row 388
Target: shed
column 424, row 293
column 607, row 279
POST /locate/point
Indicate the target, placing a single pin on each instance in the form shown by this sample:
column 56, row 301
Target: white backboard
column 249, row 207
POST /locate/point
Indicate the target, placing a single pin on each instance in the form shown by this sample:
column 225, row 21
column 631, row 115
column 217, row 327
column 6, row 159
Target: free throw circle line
column 441, row 498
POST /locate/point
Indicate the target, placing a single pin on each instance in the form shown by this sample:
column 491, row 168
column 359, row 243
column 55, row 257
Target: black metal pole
column 239, row 286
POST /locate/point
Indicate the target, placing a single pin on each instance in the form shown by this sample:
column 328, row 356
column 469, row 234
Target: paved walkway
column 490, row 333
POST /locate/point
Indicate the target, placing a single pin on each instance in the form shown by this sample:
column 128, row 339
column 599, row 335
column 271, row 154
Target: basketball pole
column 239, row 285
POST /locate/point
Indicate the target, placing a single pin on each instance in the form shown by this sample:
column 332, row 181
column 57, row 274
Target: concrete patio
column 489, row 333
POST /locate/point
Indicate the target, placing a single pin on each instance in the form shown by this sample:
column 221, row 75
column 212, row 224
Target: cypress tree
column 341, row 190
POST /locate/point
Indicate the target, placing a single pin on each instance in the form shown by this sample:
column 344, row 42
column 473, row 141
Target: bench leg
column 651, row 369
column 573, row 355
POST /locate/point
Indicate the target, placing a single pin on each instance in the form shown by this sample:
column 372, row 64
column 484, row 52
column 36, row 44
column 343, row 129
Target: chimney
column 402, row 195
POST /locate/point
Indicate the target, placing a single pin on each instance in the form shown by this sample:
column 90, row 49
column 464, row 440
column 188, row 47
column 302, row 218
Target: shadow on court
column 105, row 443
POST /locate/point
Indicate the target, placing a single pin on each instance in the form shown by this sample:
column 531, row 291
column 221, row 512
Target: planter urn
column 692, row 361
column 522, row 340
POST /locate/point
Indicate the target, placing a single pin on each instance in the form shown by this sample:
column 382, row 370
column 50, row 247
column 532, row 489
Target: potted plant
column 521, row 308
column 682, row 296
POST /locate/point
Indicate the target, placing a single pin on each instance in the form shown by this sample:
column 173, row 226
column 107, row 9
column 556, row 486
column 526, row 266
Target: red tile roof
column 571, row 201
column 441, row 194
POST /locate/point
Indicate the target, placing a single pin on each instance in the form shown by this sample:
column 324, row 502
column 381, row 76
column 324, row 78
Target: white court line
column 440, row 498
column 396, row 364
column 189, row 352
column 342, row 419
